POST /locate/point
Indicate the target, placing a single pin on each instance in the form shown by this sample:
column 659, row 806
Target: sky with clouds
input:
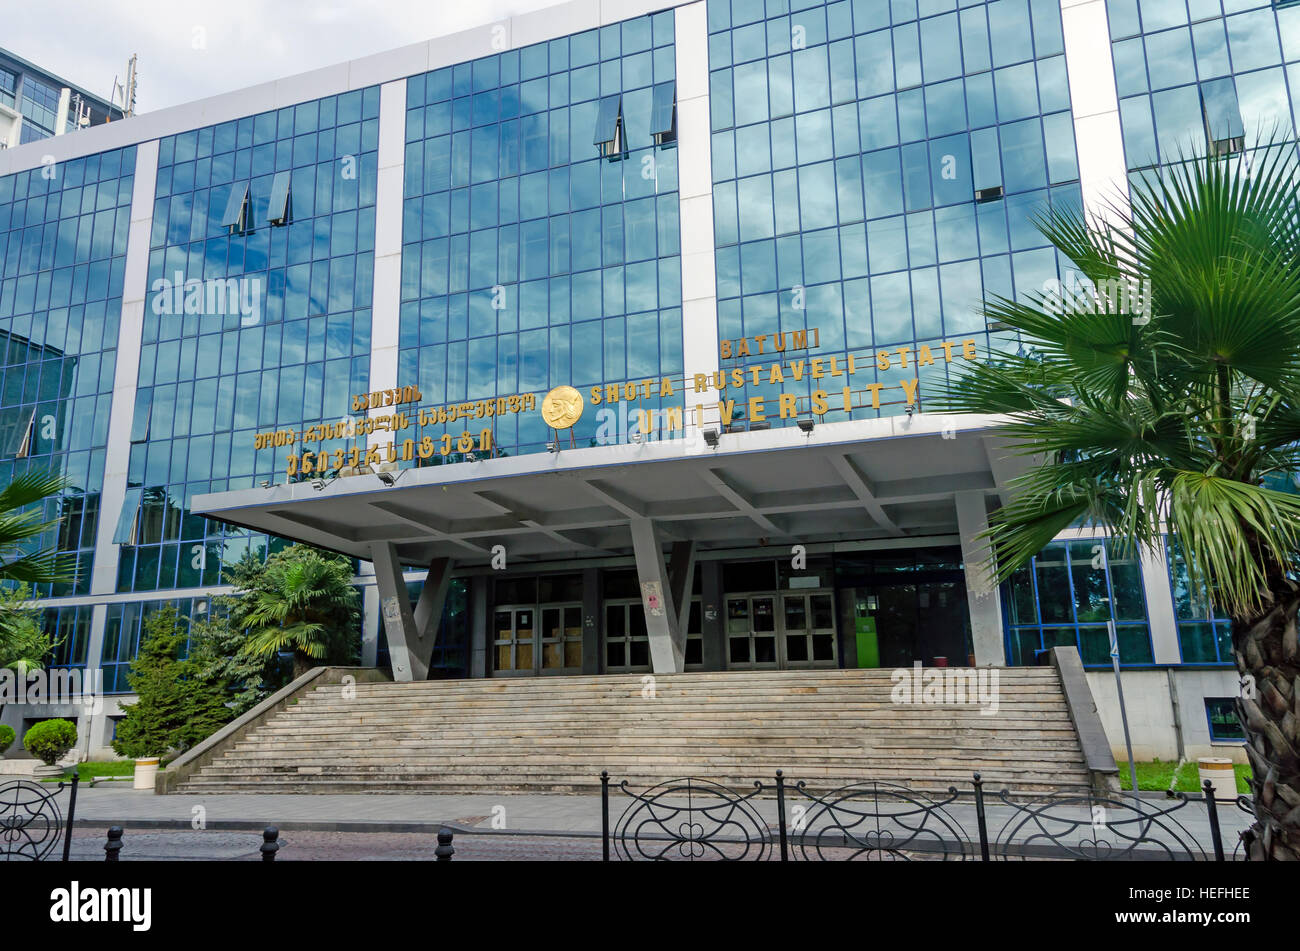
column 190, row 50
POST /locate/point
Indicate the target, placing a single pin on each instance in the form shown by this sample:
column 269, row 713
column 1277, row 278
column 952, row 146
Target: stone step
column 557, row 734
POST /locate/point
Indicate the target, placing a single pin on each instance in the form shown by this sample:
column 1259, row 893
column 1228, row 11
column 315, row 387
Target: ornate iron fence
column 31, row 823
column 698, row 820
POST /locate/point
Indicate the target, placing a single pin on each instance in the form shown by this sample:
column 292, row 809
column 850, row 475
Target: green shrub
column 50, row 741
column 6, row 737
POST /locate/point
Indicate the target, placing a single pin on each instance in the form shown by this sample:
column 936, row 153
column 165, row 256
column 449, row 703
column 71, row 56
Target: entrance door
column 808, row 630
column 898, row 623
column 523, row 647
column 561, row 634
column 515, row 639
column 781, row 630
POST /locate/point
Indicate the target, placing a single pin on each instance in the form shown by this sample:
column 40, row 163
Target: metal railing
column 32, row 825
column 695, row 819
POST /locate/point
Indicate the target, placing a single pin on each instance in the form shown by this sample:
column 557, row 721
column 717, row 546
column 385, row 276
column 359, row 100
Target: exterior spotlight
column 552, row 447
column 711, row 437
column 759, row 427
column 470, row 457
column 318, row 484
column 387, row 478
column 265, row 484
column 910, row 409
column 806, row 426
column 635, row 436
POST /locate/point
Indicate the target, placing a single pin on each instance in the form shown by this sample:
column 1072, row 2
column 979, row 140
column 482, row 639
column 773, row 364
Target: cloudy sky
column 189, row 50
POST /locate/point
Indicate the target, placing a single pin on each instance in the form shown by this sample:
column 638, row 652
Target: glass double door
column 533, row 639
column 779, row 630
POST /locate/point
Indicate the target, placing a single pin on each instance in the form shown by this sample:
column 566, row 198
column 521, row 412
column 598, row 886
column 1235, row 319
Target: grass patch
column 1158, row 775
column 96, row 769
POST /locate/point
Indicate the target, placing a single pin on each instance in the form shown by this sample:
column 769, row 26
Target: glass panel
column 662, row 112
column 1088, row 571
column 615, row 620
column 823, row 611
column 573, row 654
column 765, row 650
column 764, row 614
column 277, row 213
column 126, row 520
column 796, row 614
column 143, row 409
column 552, row 656
column 823, row 646
column 234, row 215
column 503, row 628
column 694, row 651
column 1222, row 116
column 1224, row 724
column 573, row 622
column 524, row 656
column 640, row 653
column 15, row 424
column 607, row 116
column 739, row 650
column 1094, row 645
column 738, row 616
column 796, row 648
column 1134, row 644
column 1053, row 584
column 551, row 623
column 615, row 654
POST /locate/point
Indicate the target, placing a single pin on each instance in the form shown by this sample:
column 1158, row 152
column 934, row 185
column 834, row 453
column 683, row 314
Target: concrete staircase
column 829, row 727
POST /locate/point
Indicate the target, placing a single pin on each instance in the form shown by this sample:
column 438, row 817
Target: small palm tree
column 301, row 600
column 23, row 645
column 21, row 522
column 1179, row 416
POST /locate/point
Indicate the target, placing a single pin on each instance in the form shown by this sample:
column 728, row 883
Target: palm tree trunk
column 1269, row 707
column 301, row 664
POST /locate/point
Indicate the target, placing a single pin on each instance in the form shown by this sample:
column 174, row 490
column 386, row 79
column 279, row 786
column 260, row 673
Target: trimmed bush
column 50, row 741
column 7, row 735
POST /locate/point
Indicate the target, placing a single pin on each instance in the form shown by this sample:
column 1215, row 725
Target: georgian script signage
column 563, row 406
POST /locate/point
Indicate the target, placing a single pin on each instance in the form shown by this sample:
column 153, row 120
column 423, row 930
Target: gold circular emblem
column 562, row 407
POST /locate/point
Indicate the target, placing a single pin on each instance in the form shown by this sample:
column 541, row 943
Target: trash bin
column 1222, row 777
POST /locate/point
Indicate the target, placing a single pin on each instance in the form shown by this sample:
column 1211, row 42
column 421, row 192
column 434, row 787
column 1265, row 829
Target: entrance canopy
column 857, row 480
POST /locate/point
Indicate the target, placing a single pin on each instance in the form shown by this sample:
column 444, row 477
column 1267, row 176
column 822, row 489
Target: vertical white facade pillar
column 983, row 597
column 126, row 371
column 1161, row 614
column 385, row 319
column 695, row 194
column 1103, row 174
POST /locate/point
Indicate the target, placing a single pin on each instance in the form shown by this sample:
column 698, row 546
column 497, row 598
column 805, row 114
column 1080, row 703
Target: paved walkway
column 567, row 816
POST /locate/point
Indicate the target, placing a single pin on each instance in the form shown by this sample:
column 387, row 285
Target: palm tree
column 21, row 523
column 1177, row 417
column 22, row 644
column 301, row 600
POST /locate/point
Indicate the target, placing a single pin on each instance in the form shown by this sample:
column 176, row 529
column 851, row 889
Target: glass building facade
column 869, row 170
column 34, row 95
column 876, row 167
column 289, row 356
column 529, row 259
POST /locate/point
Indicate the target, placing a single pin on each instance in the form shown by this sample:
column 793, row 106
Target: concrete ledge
column 1097, row 755
column 193, row 760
